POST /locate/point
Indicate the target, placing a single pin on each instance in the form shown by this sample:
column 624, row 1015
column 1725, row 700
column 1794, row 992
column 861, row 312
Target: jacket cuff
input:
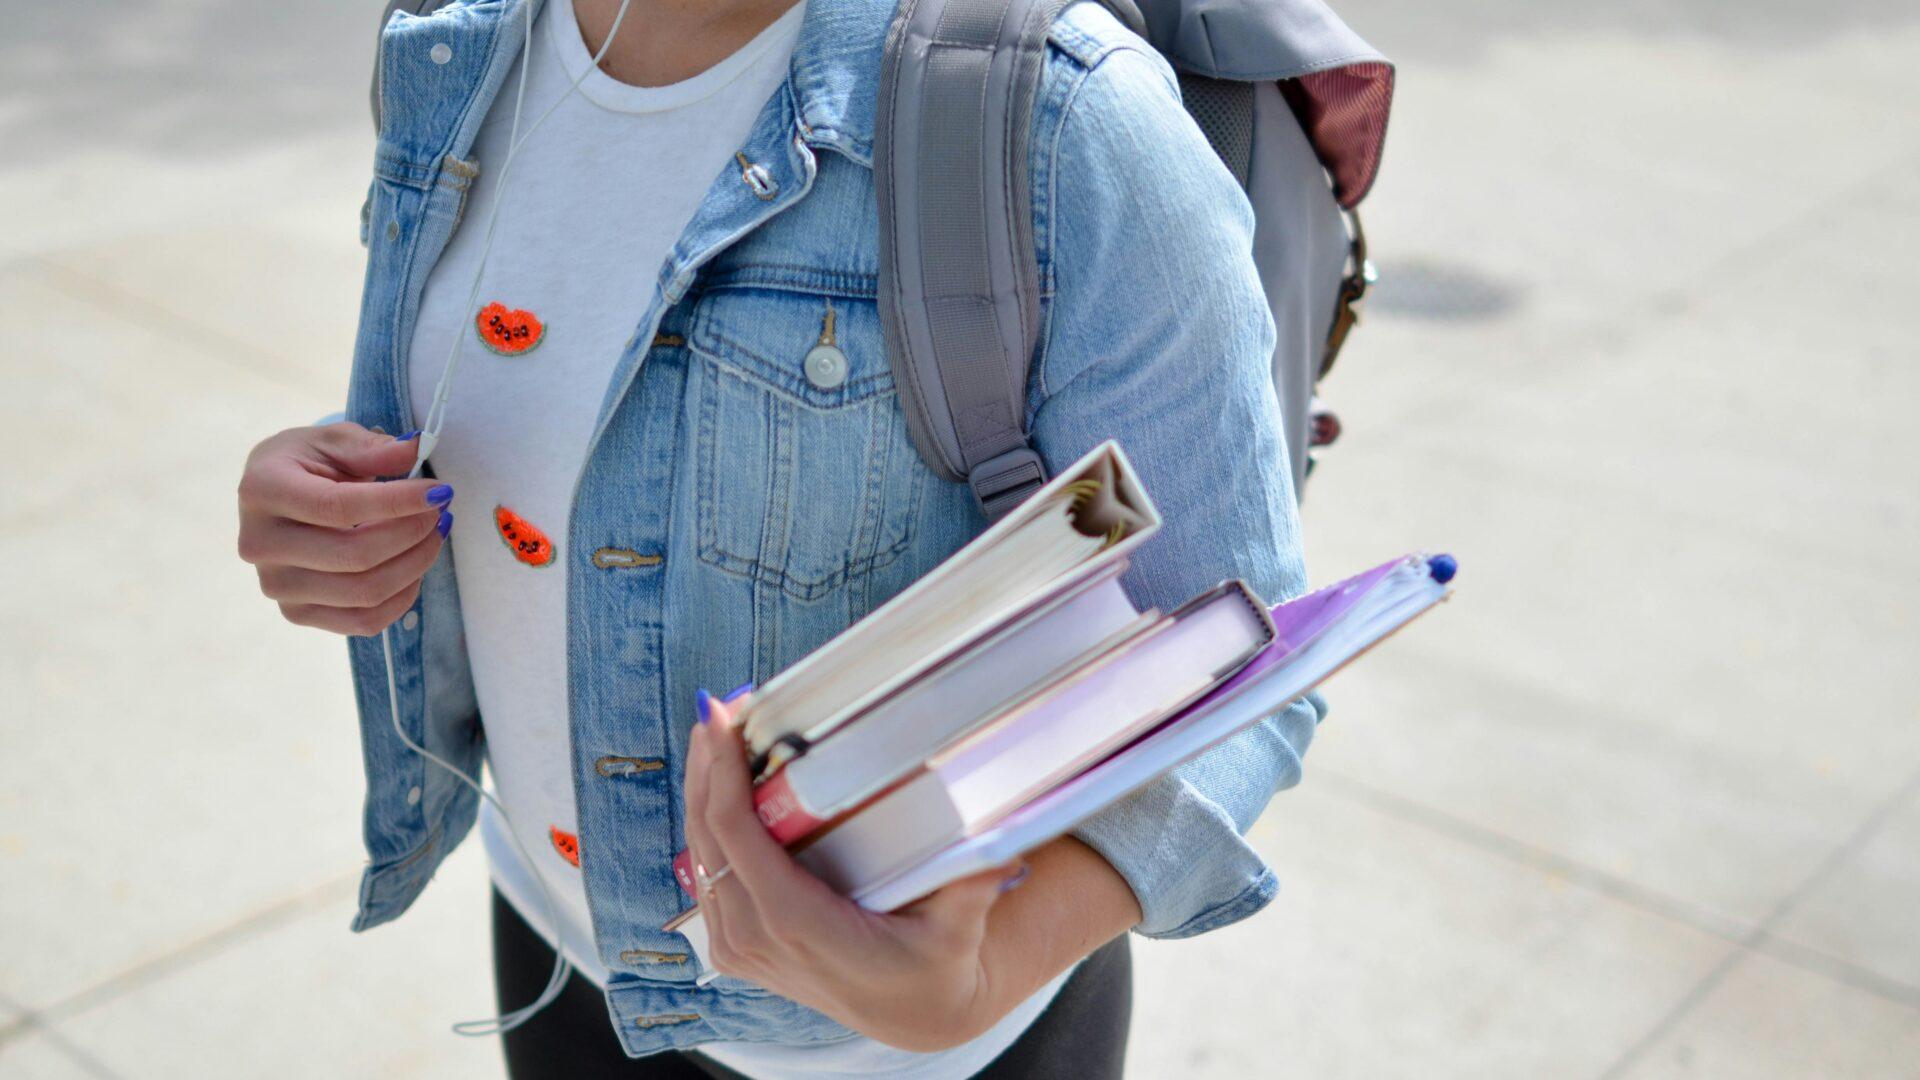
column 1190, row 870
column 1179, row 841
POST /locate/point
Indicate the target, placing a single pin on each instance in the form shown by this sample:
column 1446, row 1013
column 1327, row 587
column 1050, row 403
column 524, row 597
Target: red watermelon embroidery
column 509, row 332
column 527, row 542
column 567, row 844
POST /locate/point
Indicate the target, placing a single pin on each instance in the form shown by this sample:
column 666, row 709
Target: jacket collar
column 836, row 72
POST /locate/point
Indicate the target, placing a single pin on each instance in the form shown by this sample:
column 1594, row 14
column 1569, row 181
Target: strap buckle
column 1003, row 482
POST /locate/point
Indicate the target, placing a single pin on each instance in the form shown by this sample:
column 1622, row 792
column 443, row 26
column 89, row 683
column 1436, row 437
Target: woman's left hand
column 916, row 978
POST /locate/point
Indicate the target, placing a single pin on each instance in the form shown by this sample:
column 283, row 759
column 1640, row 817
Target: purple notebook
column 1317, row 635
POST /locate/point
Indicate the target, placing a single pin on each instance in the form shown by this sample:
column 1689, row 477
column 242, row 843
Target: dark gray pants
column 1082, row 1035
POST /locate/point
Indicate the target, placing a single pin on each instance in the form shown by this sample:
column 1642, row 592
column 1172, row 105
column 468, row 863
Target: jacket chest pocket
column 807, row 478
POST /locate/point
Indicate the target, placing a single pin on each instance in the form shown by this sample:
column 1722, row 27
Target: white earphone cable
column 429, row 437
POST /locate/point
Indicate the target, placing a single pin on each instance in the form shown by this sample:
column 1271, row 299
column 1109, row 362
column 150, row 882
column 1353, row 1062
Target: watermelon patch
column 509, row 332
column 523, row 538
column 567, row 844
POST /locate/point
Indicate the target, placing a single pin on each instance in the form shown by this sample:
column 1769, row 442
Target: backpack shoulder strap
column 959, row 286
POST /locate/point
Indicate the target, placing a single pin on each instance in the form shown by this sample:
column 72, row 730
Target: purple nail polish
column 737, row 691
column 439, row 495
column 703, row 705
column 408, row 437
column 1018, row 879
column 445, row 524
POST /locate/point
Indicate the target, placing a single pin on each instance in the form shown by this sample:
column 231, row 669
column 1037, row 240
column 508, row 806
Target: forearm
column 1071, row 904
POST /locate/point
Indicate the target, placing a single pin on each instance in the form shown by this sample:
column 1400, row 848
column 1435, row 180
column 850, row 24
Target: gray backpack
column 1294, row 103
column 1274, row 84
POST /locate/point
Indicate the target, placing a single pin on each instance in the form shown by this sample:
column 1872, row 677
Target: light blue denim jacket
column 773, row 512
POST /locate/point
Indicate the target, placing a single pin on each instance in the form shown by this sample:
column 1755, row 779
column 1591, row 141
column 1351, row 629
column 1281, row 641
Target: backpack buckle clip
column 1003, row 482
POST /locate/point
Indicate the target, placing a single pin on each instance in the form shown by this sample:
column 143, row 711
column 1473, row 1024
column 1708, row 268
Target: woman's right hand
column 340, row 549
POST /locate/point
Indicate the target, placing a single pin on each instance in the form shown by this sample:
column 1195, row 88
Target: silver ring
column 704, row 882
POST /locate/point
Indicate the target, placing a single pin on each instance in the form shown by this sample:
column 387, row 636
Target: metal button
column 826, row 366
column 440, row 53
column 756, row 177
column 761, row 181
column 413, row 795
column 393, row 230
column 410, row 620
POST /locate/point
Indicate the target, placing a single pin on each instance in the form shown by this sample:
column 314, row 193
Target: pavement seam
column 29, row 1024
column 1736, row 931
column 201, row 948
column 1827, row 867
column 156, row 318
column 1537, row 858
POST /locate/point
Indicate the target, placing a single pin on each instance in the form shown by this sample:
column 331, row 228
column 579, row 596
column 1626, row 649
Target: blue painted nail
column 737, row 691
column 445, row 524
column 703, row 705
column 439, row 495
column 1442, row 567
column 408, row 437
column 1018, row 879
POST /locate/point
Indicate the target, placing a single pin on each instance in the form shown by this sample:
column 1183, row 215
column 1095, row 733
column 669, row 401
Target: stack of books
column 1015, row 691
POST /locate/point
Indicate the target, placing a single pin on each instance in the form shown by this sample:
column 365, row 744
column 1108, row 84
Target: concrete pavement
column 1643, row 801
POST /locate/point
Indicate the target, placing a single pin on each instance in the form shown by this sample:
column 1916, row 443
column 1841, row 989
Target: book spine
column 780, row 810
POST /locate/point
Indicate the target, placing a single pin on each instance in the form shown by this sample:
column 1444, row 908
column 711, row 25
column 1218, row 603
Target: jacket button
column 826, row 366
column 410, row 620
column 440, row 53
column 757, row 178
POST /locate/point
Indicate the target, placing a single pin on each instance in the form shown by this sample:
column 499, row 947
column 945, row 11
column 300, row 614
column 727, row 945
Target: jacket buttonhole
column 613, row 558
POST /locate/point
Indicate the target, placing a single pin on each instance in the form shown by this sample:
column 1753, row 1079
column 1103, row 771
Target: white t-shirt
column 596, row 199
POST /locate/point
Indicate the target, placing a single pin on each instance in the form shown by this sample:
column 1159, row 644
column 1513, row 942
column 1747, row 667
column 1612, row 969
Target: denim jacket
column 732, row 514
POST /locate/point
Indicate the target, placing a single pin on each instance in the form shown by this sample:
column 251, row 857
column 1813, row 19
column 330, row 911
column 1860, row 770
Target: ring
column 704, row 882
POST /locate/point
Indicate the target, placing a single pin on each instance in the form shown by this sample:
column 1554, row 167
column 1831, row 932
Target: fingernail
column 703, row 705
column 408, row 437
column 737, row 691
column 1018, row 879
column 439, row 495
column 445, row 524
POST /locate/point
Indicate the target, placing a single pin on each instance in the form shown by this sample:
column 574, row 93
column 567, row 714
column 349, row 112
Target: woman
column 643, row 489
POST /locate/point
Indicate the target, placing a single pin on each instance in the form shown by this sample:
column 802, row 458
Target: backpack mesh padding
column 1224, row 111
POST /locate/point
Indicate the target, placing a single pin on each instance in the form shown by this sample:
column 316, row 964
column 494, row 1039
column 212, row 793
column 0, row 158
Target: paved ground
column 1643, row 802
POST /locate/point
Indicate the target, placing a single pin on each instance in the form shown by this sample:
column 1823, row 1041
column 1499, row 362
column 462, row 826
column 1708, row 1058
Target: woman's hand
column 336, row 549
column 916, row 979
